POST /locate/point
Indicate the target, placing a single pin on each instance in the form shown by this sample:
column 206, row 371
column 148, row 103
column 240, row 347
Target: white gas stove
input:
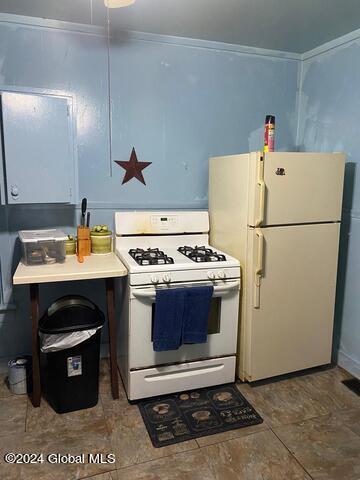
column 169, row 250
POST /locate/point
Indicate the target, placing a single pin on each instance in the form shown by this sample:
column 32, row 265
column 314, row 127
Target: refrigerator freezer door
column 288, row 319
column 299, row 188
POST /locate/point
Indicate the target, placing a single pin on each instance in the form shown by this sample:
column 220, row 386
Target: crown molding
column 336, row 43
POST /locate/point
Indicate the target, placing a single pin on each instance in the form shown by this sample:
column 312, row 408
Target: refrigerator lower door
column 288, row 315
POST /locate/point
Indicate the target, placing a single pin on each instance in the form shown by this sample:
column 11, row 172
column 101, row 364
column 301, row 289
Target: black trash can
column 70, row 370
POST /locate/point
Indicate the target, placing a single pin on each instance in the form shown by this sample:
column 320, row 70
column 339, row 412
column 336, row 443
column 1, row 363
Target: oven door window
column 214, row 317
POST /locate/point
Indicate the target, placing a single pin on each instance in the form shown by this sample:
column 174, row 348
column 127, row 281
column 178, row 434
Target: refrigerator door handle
column 262, row 187
column 259, row 267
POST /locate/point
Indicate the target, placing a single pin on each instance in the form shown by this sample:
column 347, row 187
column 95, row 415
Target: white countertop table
column 106, row 266
column 95, row 266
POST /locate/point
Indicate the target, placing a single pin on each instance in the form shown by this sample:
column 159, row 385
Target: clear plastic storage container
column 42, row 247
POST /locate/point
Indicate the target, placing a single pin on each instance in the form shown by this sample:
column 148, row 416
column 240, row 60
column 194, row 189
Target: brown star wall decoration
column 133, row 168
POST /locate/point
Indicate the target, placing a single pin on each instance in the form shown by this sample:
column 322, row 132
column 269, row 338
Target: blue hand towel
column 196, row 314
column 169, row 317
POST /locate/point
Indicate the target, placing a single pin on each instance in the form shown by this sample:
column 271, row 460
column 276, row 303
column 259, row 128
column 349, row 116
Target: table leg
column 34, row 296
column 110, row 299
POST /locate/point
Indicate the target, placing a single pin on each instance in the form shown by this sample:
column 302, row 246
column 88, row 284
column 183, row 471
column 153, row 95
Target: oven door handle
column 151, row 293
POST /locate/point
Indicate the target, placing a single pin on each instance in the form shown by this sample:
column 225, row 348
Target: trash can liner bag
column 61, row 341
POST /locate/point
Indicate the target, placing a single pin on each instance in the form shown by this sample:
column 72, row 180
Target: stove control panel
column 158, row 222
column 211, row 275
column 154, row 279
column 164, row 222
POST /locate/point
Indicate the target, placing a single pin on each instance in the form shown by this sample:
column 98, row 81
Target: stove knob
column 166, row 278
column 221, row 275
column 211, row 275
column 154, row 279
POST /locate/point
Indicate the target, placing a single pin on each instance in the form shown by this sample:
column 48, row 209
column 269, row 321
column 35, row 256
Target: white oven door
column 222, row 330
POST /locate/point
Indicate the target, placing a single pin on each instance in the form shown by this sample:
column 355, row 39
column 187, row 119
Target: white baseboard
column 349, row 364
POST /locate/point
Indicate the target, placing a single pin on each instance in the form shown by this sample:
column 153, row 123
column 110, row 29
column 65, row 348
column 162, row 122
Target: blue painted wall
column 179, row 105
column 329, row 121
column 176, row 104
column 48, row 60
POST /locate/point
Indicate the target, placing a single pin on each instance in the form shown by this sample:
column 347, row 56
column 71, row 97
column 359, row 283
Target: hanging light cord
column 109, row 92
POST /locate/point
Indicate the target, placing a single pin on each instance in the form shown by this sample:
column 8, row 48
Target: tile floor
column 311, row 430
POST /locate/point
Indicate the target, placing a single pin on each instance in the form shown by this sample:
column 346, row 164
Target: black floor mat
column 183, row 416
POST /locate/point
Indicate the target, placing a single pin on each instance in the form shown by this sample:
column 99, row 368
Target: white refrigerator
column 279, row 214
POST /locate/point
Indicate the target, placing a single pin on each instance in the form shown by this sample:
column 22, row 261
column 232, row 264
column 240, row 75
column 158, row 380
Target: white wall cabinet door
column 37, row 149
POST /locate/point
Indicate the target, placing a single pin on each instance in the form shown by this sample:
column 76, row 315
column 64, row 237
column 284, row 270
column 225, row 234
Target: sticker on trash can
column 74, row 366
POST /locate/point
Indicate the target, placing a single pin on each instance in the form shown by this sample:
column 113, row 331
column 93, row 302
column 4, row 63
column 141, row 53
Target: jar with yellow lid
column 101, row 240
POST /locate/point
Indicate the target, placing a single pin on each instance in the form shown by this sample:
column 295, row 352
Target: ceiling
column 289, row 25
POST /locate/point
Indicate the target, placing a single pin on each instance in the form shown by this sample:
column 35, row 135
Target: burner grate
column 151, row 256
column 201, row 254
